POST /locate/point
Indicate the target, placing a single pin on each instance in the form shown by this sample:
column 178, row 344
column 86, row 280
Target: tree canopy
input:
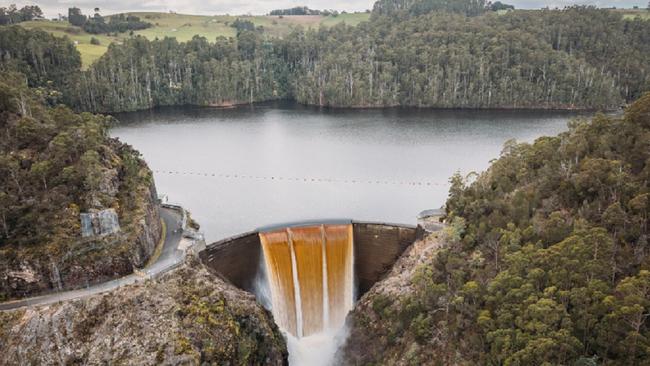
column 545, row 259
column 46, row 60
column 55, row 164
column 13, row 15
column 575, row 58
column 97, row 24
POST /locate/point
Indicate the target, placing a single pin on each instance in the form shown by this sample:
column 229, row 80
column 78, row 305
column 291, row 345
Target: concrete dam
column 314, row 270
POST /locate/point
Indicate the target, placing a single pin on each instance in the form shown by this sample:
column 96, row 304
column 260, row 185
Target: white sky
column 237, row 7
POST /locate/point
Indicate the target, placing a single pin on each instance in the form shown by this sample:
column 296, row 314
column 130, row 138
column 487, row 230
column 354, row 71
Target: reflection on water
column 286, row 140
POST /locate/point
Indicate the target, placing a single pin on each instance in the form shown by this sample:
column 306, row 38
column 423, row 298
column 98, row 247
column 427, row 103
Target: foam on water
column 316, row 350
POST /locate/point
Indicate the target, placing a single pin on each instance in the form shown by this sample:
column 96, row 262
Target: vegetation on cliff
column 55, row 164
column 188, row 317
column 545, row 261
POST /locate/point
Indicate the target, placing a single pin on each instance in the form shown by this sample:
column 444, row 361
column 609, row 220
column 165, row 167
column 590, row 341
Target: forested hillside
column 545, row 261
column 13, row 15
column 47, row 61
column 620, row 47
column 408, row 8
column 443, row 60
column 411, row 53
column 430, row 60
column 142, row 74
column 54, row 165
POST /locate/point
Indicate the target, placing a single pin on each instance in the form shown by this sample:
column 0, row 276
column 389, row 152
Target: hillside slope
column 54, row 166
column 545, row 261
column 188, row 317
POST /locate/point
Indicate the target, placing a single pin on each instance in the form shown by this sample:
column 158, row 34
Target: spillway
column 376, row 247
column 309, row 275
column 310, row 272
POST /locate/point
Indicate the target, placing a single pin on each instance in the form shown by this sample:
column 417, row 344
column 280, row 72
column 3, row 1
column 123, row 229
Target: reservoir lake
column 242, row 168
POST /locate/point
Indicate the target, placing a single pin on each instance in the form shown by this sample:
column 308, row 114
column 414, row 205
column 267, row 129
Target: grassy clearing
column 278, row 27
column 183, row 27
column 631, row 14
column 89, row 52
column 349, row 19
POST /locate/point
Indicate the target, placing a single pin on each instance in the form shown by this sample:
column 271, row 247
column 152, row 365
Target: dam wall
column 376, row 248
column 236, row 258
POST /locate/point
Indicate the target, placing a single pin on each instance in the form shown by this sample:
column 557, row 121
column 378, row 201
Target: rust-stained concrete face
column 376, row 248
column 237, row 259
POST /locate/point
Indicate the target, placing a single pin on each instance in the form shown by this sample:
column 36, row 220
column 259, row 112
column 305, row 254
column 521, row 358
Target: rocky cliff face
column 381, row 331
column 80, row 262
column 189, row 316
column 57, row 166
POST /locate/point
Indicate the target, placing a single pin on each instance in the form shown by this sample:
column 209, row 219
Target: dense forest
column 430, row 60
column 54, row 165
column 545, row 262
column 13, row 15
column 617, row 46
column 97, row 24
column 409, row 8
column 142, row 74
column 47, row 61
column 442, row 60
column 421, row 54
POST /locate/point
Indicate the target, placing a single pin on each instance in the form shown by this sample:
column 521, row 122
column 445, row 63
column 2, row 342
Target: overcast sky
column 209, row 7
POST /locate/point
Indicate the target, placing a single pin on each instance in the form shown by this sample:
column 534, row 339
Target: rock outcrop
column 377, row 334
column 83, row 262
column 66, row 166
column 189, row 317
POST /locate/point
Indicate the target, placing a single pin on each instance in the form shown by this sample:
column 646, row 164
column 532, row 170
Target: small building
column 431, row 220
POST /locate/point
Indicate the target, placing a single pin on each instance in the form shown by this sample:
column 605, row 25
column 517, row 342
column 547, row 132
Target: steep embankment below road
column 61, row 176
column 189, row 316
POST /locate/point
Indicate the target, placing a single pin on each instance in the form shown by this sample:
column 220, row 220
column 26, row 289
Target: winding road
column 169, row 258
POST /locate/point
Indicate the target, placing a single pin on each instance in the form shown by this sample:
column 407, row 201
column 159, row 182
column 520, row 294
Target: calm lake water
column 239, row 169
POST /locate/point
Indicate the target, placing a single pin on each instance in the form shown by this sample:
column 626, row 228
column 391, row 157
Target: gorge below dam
column 236, row 169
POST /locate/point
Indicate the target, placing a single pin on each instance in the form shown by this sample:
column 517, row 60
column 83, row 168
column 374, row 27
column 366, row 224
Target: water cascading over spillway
column 310, row 273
